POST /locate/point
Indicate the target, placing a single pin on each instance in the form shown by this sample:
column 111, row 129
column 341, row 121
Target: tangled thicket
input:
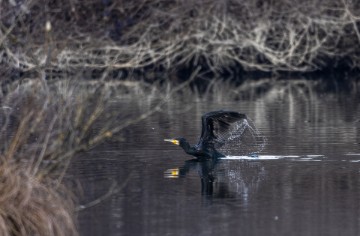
column 258, row 35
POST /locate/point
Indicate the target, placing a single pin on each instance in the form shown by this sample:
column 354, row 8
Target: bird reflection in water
column 224, row 178
column 206, row 170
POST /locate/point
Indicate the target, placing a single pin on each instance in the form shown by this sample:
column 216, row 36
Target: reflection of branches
column 51, row 122
column 281, row 35
column 114, row 188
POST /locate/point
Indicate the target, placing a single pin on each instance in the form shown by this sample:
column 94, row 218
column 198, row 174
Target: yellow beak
column 174, row 141
column 172, row 173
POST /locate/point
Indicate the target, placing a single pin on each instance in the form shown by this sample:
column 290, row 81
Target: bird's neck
column 187, row 148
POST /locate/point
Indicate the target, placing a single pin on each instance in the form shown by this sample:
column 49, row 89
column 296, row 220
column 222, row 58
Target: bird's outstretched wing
column 230, row 133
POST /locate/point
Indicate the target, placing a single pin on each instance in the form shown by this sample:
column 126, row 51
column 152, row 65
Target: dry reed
column 31, row 205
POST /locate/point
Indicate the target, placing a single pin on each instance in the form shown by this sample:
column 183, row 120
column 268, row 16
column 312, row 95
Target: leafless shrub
column 258, row 35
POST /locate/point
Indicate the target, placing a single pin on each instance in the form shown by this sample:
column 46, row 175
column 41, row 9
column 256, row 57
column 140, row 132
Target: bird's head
column 176, row 141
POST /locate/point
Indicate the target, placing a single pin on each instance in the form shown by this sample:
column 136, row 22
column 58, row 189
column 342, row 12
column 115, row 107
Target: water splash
column 313, row 157
column 259, row 157
column 244, row 139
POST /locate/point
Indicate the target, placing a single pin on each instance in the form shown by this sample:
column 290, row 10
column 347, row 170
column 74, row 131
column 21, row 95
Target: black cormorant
column 221, row 130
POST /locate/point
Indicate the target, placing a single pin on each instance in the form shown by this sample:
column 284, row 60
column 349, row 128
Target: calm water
column 310, row 187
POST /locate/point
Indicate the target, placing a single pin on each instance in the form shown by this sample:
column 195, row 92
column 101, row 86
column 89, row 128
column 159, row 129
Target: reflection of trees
column 51, row 122
column 314, row 110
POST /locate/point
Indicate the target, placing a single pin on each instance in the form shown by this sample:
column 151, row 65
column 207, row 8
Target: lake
column 306, row 181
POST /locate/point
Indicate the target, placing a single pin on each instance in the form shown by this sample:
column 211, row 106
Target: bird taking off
column 224, row 133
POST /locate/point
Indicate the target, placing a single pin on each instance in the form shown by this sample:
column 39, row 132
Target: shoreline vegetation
column 66, row 66
column 283, row 35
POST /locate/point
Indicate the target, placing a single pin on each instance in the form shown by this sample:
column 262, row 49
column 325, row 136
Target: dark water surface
column 312, row 187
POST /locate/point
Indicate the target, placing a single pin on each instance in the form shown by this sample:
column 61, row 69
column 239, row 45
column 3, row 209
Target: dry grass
column 31, row 205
